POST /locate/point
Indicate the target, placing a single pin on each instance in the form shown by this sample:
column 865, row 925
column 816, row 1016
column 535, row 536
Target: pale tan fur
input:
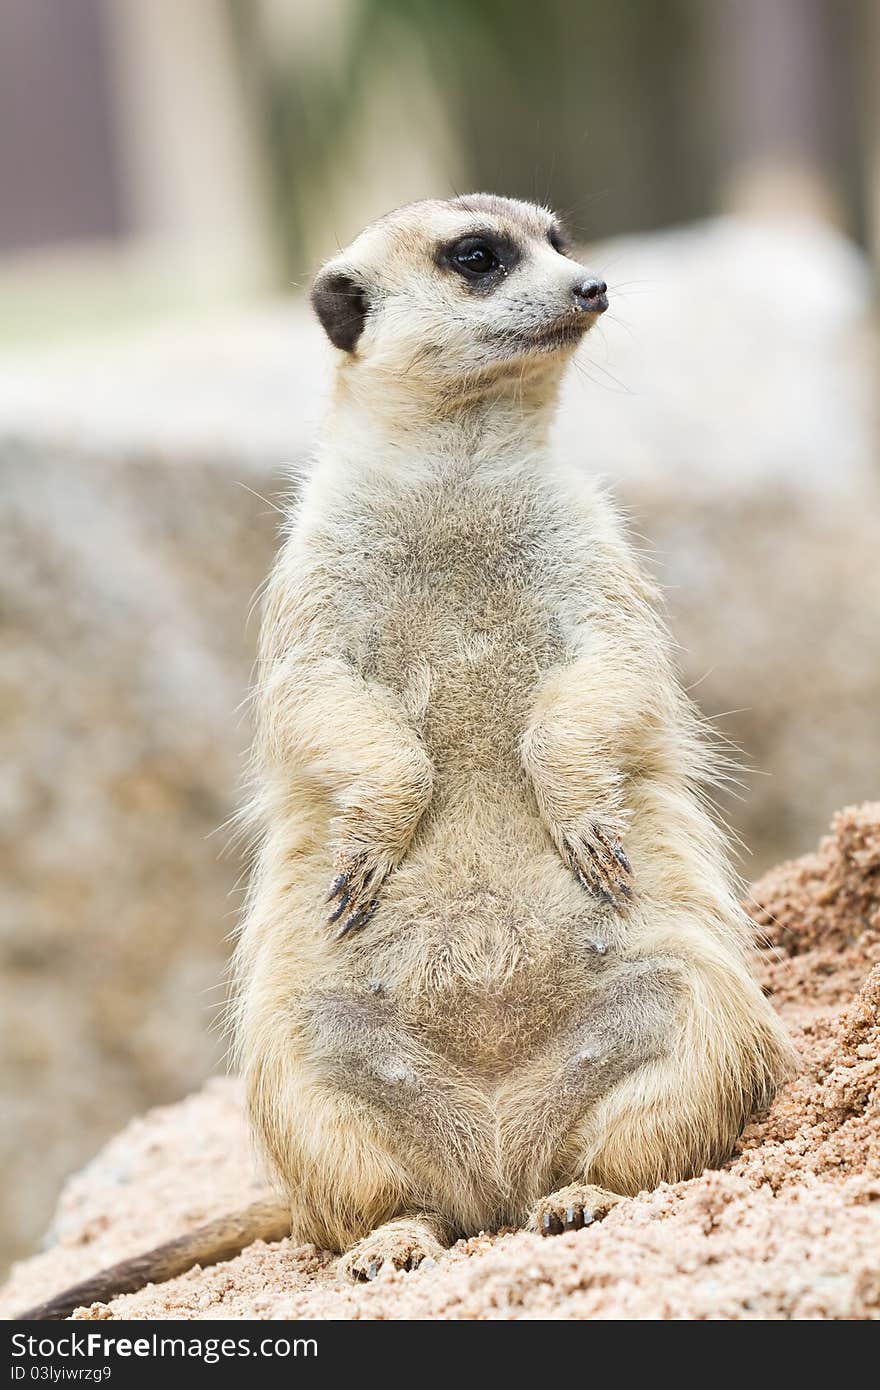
column 467, row 700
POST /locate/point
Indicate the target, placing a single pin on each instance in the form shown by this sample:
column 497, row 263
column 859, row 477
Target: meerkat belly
column 482, row 935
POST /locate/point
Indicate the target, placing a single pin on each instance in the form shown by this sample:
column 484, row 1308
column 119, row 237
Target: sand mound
column 790, row 1228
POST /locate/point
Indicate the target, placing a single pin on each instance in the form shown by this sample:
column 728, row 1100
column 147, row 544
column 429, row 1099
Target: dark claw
column 357, row 919
column 550, row 1224
column 340, row 908
column 369, row 910
column 338, row 884
column 620, row 855
column 592, row 886
column 574, row 1219
column 374, row 1269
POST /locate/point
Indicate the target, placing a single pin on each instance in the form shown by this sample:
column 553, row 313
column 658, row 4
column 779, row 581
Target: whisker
column 259, row 496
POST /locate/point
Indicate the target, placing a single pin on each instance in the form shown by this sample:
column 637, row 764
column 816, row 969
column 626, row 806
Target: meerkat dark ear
column 341, row 304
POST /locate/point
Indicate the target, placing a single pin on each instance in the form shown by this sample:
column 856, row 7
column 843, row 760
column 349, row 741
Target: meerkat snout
column 592, row 295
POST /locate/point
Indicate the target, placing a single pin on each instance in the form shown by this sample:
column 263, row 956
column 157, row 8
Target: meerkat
column 492, row 969
column 492, row 950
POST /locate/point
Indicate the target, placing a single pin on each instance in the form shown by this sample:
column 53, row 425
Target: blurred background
column 170, row 174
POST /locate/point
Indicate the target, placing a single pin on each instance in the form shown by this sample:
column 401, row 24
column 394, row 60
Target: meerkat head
column 472, row 289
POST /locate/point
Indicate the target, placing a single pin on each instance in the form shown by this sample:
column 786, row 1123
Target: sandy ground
column 790, row 1228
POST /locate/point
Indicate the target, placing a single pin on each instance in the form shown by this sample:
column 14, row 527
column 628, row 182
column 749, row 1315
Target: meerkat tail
column 217, row 1240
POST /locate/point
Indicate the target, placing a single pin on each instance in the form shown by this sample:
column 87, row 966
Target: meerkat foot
column 571, row 1208
column 599, row 862
column 403, row 1244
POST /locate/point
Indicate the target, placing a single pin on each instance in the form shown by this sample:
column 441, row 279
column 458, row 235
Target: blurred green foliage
column 588, row 105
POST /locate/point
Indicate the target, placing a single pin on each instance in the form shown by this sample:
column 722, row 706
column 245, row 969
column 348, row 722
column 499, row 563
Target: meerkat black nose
column 592, row 295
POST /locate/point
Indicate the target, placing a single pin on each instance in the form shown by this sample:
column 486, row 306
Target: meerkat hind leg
column 571, row 1208
column 403, row 1243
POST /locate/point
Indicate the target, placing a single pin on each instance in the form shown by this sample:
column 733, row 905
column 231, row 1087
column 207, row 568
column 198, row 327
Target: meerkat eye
column 558, row 240
column 473, row 258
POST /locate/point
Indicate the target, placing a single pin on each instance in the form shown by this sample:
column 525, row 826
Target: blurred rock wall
column 124, row 659
column 726, row 396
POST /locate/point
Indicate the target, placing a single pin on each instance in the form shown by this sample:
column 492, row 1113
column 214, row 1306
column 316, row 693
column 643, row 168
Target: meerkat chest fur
column 455, row 590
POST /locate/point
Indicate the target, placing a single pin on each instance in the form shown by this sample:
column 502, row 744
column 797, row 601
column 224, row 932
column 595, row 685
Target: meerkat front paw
column 572, row 1208
column 403, row 1244
column 594, row 853
column 371, row 836
column 360, row 873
